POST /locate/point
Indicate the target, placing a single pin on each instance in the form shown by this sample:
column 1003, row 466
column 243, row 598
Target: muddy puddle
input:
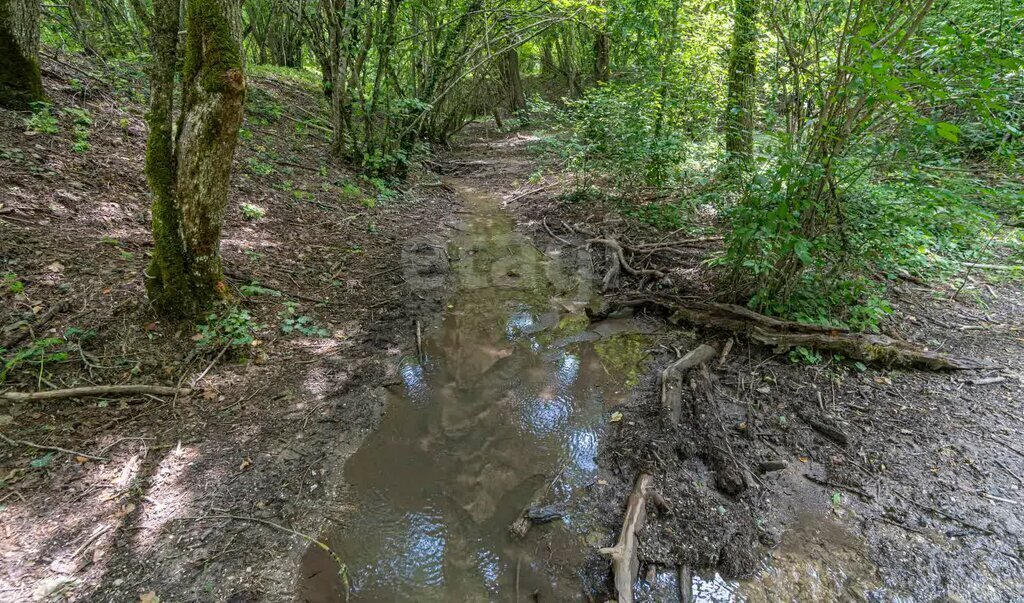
column 503, row 410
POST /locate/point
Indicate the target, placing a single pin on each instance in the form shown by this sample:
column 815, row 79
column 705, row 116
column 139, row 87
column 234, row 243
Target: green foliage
column 254, row 288
column 291, row 322
column 252, row 212
column 37, row 353
column 233, row 327
column 81, row 121
column 259, row 168
column 262, row 106
column 42, row 121
column 12, row 283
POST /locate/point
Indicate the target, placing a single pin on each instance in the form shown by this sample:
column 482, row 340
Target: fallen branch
column 785, row 334
column 1010, row 267
column 625, row 565
column 672, row 380
column 876, row 349
column 54, row 448
column 95, row 390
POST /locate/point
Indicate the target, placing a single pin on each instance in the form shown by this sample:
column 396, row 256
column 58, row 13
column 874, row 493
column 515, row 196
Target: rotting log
column 785, row 334
column 874, row 349
column 672, row 379
column 625, row 565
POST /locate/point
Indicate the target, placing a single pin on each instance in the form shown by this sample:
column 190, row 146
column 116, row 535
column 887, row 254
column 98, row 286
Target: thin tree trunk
column 602, row 52
column 739, row 117
column 20, row 80
column 190, row 179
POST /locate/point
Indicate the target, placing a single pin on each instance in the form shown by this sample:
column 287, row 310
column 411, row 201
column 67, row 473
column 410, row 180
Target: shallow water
column 505, row 406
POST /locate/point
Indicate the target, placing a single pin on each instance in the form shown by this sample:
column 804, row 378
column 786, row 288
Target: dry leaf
column 246, row 463
column 149, row 597
column 80, row 459
column 616, row 417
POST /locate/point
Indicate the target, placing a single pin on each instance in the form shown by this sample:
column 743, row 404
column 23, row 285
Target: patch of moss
column 621, row 355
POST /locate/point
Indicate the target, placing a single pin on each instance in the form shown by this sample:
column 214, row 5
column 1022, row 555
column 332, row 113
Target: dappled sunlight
column 169, row 495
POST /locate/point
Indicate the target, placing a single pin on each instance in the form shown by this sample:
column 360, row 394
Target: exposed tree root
column 625, row 565
column 96, row 390
column 784, row 334
column 620, row 254
column 672, row 380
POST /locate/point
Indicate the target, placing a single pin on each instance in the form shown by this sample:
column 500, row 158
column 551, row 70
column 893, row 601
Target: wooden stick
column 625, row 565
column 95, row 390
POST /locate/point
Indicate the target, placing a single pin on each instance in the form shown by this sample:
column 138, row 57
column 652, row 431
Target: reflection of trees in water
column 491, row 421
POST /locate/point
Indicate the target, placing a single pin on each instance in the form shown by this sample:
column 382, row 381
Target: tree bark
column 739, row 115
column 513, row 81
column 189, row 171
column 602, row 52
column 20, row 79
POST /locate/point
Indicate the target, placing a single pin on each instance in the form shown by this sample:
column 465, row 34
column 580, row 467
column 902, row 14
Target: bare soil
column 254, row 439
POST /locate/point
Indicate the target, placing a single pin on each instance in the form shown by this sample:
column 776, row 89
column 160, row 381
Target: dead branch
column 672, row 379
column 625, row 565
column 95, row 390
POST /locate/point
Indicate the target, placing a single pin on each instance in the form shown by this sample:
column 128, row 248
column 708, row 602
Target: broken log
column 875, row 349
column 785, row 334
column 625, row 565
column 672, row 380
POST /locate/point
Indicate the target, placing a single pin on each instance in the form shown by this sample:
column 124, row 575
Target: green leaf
column 43, row 461
column 948, row 131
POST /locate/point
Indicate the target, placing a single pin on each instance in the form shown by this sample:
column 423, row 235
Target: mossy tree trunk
column 189, row 166
column 740, row 108
column 20, row 80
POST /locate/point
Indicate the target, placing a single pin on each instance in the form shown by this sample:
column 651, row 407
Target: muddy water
column 504, row 407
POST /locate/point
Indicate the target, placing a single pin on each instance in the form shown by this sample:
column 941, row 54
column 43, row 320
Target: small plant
column 81, row 120
column 245, row 134
column 43, row 121
column 802, row 355
column 12, row 283
column 254, row 288
column 233, row 328
column 252, row 212
column 258, row 167
column 291, row 322
column 350, row 190
column 37, row 352
column 536, row 177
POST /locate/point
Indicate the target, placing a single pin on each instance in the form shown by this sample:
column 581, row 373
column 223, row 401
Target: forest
column 490, row 300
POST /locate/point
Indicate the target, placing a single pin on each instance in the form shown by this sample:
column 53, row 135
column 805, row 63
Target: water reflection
column 495, row 416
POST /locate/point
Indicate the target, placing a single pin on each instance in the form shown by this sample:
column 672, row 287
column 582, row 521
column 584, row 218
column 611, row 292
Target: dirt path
column 926, row 488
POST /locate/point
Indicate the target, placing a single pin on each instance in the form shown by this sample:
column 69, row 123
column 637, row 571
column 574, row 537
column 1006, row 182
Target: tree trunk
column 513, row 81
column 189, row 171
column 739, row 115
column 20, row 80
column 602, row 52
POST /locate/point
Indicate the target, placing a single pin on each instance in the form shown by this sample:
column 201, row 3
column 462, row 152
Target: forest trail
column 194, row 496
